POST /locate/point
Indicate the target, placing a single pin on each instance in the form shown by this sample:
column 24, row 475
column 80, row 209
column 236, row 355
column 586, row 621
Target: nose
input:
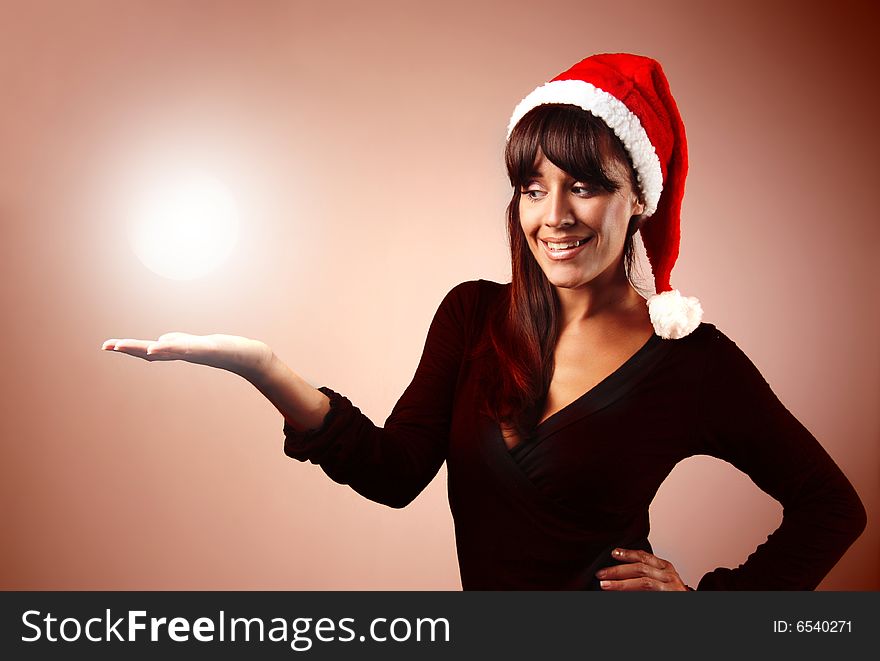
column 559, row 212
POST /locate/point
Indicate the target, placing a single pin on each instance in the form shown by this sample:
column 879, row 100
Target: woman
column 562, row 400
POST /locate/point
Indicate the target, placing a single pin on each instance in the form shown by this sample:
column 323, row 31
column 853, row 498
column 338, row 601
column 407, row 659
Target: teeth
column 564, row 246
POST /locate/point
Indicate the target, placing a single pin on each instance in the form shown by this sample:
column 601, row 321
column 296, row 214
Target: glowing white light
column 186, row 226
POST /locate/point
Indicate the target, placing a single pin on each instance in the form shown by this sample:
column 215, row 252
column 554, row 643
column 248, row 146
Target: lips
column 564, row 248
column 564, row 243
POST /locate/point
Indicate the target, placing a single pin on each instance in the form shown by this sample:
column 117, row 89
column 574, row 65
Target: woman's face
column 576, row 231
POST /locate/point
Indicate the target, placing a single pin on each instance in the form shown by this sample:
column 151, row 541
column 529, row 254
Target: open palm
column 240, row 355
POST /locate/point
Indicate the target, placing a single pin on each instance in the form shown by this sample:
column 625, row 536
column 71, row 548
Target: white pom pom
column 674, row 315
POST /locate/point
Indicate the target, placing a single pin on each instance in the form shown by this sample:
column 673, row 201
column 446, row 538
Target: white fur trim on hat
column 674, row 315
column 616, row 115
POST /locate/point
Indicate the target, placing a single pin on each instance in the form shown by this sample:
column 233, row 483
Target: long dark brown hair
column 523, row 329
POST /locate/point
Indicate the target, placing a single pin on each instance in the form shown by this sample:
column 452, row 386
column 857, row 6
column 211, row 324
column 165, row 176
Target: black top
column 546, row 514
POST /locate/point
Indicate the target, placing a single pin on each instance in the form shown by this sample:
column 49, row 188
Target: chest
column 581, row 362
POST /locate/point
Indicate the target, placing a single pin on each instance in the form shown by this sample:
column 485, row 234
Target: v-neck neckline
column 613, row 386
column 599, row 386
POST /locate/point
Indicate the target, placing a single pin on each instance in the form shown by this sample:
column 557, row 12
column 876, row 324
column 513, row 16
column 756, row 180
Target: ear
column 635, row 224
column 638, row 208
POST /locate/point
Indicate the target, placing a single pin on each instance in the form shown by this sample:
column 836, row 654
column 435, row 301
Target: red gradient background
column 364, row 142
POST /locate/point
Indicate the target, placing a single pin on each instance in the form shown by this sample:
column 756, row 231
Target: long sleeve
column 394, row 463
column 740, row 420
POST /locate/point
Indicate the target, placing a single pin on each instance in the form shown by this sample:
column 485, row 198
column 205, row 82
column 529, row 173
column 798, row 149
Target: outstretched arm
column 390, row 465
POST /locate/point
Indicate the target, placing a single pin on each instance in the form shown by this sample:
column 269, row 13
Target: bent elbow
column 401, row 496
column 399, row 502
column 859, row 518
column 396, row 496
column 848, row 513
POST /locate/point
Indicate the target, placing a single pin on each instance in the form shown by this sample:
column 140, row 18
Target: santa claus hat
column 631, row 95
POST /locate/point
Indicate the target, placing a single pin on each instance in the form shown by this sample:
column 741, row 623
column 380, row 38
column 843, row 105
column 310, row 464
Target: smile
column 562, row 251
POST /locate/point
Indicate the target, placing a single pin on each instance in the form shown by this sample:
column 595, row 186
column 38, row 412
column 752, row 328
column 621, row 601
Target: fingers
column 641, row 571
column 146, row 349
column 632, row 573
column 638, row 555
column 641, row 584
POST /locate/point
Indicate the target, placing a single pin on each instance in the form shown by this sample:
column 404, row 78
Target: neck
column 597, row 298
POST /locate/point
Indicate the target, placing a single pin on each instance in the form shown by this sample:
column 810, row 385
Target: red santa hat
column 631, row 95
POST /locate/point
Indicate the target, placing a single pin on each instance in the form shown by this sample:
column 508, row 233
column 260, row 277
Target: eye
column 532, row 193
column 583, row 190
